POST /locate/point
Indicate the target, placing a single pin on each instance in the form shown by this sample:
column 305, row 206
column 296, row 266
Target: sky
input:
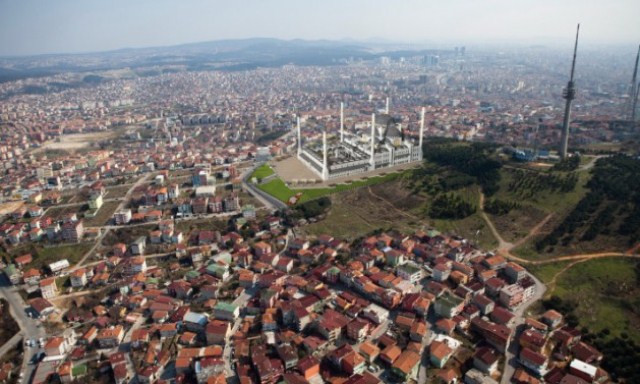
column 72, row 26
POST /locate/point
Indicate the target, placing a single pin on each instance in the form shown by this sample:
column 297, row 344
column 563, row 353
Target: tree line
column 500, row 207
column 613, row 197
column 527, row 184
column 450, row 206
column 474, row 160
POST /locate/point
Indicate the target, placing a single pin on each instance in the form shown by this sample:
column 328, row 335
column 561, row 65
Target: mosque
column 382, row 145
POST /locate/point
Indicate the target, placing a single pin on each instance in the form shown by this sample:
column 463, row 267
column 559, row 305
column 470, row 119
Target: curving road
column 267, row 200
column 504, row 249
column 29, row 328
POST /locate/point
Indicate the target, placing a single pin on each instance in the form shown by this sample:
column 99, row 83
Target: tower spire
column 633, row 99
column 569, row 94
column 421, row 130
column 341, row 122
column 299, row 138
column 372, row 161
column 325, row 167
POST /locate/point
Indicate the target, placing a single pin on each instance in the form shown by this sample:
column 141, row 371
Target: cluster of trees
column 433, row 179
column 576, row 219
column 621, row 354
column 567, row 164
column 9, row 325
column 527, row 184
column 312, row 208
column 601, row 222
column 450, row 206
column 473, row 160
column 455, row 180
column 270, row 136
column 614, row 196
column 500, row 207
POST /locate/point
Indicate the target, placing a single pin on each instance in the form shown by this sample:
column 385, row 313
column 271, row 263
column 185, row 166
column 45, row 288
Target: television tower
column 569, row 94
column 633, row 95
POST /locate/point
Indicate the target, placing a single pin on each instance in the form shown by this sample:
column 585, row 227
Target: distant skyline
column 29, row 27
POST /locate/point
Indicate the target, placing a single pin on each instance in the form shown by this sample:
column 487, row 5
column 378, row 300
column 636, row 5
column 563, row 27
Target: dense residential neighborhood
column 155, row 218
column 256, row 302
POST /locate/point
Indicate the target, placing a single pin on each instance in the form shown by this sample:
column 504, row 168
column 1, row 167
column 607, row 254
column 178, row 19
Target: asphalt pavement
column 30, row 328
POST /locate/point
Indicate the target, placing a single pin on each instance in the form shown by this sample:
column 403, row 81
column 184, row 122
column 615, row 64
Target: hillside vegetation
column 602, row 297
column 609, row 214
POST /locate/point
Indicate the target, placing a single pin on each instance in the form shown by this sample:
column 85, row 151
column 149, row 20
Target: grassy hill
column 607, row 216
column 281, row 191
column 602, row 298
column 576, row 206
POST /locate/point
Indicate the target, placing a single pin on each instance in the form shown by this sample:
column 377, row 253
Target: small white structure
column 59, row 265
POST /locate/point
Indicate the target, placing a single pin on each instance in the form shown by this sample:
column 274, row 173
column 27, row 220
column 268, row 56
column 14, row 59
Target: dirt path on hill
column 505, row 247
column 534, row 231
column 387, row 202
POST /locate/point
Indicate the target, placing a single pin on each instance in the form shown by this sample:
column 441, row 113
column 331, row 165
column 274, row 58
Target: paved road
column 11, row 343
column 511, row 354
column 30, row 328
column 123, row 202
column 229, row 372
column 504, row 248
column 266, row 199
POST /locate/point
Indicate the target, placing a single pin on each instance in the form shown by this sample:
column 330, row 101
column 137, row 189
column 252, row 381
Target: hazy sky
column 47, row 26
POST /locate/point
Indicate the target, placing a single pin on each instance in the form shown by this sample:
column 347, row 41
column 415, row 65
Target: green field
column 473, row 228
column 72, row 252
column 356, row 212
column 261, row 172
column 546, row 272
column 278, row 189
column 547, row 201
column 118, row 191
column 103, row 216
column 607, row 294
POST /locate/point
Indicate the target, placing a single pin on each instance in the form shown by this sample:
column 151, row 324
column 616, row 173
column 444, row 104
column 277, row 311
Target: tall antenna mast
column 633, row 96
column 569, row 94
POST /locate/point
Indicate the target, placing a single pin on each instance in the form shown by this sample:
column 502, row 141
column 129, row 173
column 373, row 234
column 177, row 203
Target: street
column 29, row 327
column 229, row 371
column 511, row 355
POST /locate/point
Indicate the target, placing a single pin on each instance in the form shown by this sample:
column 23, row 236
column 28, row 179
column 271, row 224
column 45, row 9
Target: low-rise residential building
column 122, row 216
column 110, row 337
column 406, row 366
column 511, row 296
column 448, row 305
column 409, row 272
column 72, row 231
column 439, row 353
column 226, row 311
column 79, row 278
column 49, row 288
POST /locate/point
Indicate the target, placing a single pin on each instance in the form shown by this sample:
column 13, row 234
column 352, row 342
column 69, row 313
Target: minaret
column 341, row 122
column 372, row 160
column 421, row 131
column 569, row 94
column 387, row 109
column 299, row 138
column 325, row 168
